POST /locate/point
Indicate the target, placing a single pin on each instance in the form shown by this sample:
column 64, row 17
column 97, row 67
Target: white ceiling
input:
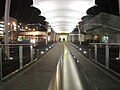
column 63, row 15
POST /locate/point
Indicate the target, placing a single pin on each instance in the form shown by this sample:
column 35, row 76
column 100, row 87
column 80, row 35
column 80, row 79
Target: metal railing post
column 107, row 56
column 0, row 64
column 119, row 52
column 89, row 53
column 31, row 53
column 21, row 56
column 95, row 53
column 37, row 54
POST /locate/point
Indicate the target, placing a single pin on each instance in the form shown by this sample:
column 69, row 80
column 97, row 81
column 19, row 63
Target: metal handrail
column 56, row 83
column 15, row 44
column 105, row 43
column 70, row 75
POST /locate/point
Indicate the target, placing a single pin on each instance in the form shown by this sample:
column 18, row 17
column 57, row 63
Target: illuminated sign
column 34, row 33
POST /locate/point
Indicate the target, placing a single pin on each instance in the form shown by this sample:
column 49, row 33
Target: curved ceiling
column 63, row 16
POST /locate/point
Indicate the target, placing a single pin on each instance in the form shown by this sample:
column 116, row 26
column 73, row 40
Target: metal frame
column 95, row 53
column 21, row 57
column 0, row 63
column 31, row 53
column 107, row 56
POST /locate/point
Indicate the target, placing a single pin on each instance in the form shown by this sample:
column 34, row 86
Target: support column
column 107, row 56
column 119, row 6
column 46, row 33
column 1, row 64
column 6, row 21
column 79, row 37
column 69, row 39
column 72, row 37
column 95, row 53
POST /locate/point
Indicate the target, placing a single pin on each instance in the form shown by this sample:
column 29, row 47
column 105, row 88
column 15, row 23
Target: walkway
column 38, row 75
column 100, row 77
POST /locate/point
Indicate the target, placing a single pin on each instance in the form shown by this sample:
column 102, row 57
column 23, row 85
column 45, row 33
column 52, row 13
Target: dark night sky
column 108, row 6
column 21, row 10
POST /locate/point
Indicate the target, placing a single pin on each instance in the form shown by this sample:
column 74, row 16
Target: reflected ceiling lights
column 63, row 15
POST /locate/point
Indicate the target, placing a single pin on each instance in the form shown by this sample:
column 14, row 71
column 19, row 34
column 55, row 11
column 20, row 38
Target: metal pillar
column 79, row 37
column 119, row 6
column 119, row 52
column 21, row 57
column 46, row 33
column 73, row 38
column 0, row 64
column 46, row 38
column 69, row 38
column 107, row 56
column 54, row 37
column 89, row 53
column 95, row 53
column 31, row 53
column 6, row 21
column 37, row 54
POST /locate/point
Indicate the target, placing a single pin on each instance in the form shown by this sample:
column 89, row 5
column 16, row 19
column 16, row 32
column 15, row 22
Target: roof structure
column 63, row 15
column 102, row 23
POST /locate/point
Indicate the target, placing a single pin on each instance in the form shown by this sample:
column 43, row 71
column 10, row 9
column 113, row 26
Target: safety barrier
column 21, row 56
column 107, row 55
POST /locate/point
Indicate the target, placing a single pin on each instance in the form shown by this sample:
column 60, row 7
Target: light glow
column 65, row 13
column 33, row 41
column 84, row 52
column 42, row 52
column 80, row 49
column 46, row 49
column 117, row 58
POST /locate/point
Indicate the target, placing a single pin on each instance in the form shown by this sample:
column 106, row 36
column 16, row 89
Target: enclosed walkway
column 39, row 75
